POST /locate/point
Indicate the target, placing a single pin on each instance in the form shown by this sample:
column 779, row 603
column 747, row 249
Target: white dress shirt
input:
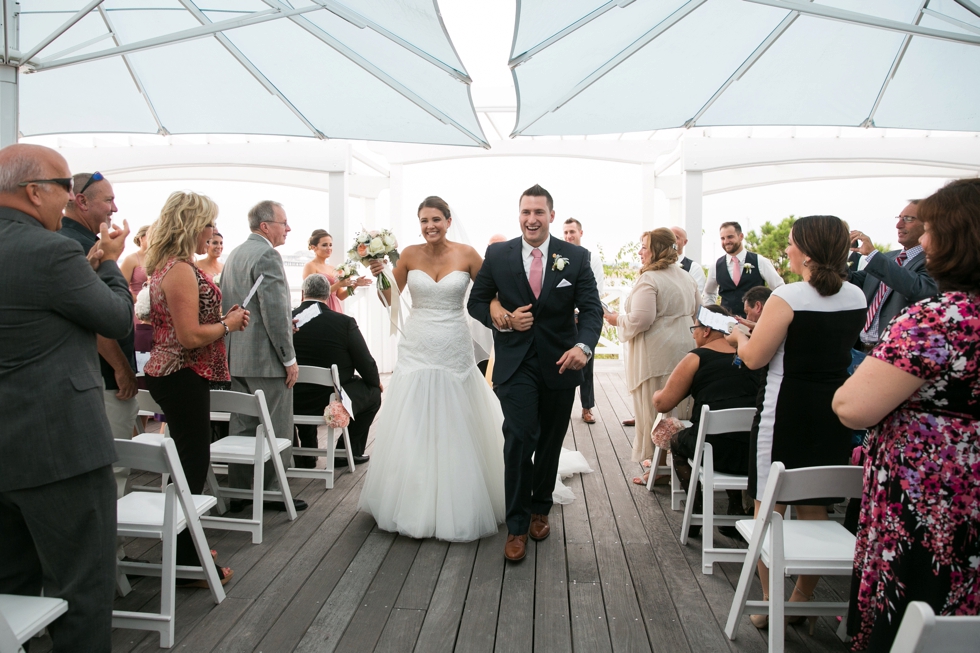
column 766, row 269
column 697, row 273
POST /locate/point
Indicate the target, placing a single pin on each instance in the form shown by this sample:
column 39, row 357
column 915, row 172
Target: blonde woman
column 321, row 244
column 656, row 325
column 188, row 340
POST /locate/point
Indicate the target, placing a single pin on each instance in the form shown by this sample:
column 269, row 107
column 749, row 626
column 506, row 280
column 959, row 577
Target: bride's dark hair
column 437, row 203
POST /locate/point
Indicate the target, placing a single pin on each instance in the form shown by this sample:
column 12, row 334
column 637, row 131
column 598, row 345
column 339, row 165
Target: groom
column 538, row 282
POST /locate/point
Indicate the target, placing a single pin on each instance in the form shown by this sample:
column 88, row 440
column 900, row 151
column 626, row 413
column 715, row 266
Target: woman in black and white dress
column 805, row 336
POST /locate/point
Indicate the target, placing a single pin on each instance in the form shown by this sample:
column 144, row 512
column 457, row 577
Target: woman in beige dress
column 655, row 327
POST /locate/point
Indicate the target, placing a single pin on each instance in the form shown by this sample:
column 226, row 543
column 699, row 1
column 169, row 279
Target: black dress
column 720, row 384
column 796, row 424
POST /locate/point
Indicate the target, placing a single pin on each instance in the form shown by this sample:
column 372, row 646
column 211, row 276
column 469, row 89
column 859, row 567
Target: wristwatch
column 584, row 347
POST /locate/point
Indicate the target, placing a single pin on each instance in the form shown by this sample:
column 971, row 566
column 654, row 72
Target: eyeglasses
column 907, row 218
column 283, row 223
column 697, row 326
column 91, row 180
column 64, row 182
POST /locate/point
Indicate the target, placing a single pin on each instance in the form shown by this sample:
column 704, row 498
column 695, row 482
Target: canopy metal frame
column 15, row 62
column 795, row 9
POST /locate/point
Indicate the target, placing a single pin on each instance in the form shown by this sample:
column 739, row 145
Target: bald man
column 57, row 491
column 693, row 268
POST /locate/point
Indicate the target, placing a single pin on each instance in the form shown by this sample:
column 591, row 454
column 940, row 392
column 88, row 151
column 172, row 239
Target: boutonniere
column 560, row 262
column 850, row 264
column 747, row 268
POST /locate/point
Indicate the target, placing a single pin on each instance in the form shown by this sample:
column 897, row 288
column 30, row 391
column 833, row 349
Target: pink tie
column 736, row 272
column 537, row 270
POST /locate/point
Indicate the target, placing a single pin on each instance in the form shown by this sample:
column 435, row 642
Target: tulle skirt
column 437, row 468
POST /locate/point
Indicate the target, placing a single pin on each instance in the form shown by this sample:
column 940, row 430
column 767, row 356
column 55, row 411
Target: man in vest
column 737, row 272
column 693, row 268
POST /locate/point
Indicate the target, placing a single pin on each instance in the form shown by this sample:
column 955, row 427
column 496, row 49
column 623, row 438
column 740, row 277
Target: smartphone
column 605, row 307
column 856, row 244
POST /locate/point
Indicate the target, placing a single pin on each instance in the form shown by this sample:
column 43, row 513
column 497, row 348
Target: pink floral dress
column 919, row 532
column 168, row 355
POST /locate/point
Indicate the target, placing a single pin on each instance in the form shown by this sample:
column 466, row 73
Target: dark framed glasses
column 697, row 326
column 64, row 182
column 91, row 180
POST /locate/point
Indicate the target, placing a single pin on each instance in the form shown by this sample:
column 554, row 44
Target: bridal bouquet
column 375, row 245
column 345, row 272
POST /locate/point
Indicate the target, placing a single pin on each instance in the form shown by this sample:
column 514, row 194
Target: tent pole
column 9, row 105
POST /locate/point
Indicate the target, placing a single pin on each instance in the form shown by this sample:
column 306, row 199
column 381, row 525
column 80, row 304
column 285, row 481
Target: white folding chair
column 162, row 516
column 23, row 617
column 329, row 378
column 676, row 491
column 733, row 420
column 245, row 450
column 789, row 547
column 149, row 407
column 923, row 632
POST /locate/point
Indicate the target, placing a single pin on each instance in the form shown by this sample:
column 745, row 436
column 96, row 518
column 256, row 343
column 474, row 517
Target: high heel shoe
column 760, row 621
column 811, row 620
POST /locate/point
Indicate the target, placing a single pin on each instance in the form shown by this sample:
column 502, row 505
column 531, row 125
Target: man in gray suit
column 894, row 280
column 262, row 357
column 57, row 491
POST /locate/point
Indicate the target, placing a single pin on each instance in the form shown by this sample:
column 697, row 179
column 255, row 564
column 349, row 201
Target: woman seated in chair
column 713, row 376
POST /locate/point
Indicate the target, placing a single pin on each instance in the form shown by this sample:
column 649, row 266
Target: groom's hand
column 521, row 319
column 573, row 359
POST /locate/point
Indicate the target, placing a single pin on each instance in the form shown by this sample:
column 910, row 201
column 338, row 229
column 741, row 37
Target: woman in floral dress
column 919, row 532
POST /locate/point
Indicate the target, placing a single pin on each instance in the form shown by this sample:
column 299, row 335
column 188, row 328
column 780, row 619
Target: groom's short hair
column 537, row 191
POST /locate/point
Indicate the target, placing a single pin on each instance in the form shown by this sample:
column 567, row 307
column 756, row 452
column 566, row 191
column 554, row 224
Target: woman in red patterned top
column 188, row 340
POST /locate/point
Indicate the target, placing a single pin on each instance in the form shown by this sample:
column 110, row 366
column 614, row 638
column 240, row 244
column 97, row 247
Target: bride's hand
column 500, row 317
column 377, row 266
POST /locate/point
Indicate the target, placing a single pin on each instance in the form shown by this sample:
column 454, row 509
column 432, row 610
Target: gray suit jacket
column 909, row 283
column 267, row 343
column 52, row 304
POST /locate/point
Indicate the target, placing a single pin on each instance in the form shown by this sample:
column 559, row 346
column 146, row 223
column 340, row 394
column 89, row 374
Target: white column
column 9, row 105
column 649, row 182
column 370, row 219
column 396, row 220
column 337, row 202
column 692, row 203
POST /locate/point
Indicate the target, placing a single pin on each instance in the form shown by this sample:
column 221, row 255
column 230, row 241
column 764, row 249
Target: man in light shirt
column 692, row 267
column 737, row 271
column 572, row 232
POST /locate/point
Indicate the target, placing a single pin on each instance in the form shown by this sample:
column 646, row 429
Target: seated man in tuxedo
column 333, row 338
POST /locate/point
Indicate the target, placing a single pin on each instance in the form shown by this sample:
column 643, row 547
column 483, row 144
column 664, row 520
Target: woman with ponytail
column 655, row 328
column 804, row 335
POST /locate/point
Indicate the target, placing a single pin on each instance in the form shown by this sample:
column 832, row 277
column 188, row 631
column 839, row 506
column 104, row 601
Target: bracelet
column 225, row 325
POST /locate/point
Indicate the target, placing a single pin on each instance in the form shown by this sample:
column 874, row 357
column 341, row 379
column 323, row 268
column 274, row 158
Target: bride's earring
column 806, row 263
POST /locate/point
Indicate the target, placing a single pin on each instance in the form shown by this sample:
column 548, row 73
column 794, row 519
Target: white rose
column 376, row 246
column 363, row 237
column 389, row 240
column 560, row 264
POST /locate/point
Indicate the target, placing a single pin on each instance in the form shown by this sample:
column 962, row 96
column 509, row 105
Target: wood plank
column 369, row 619
column 515, row 627
column 478, row 629
column 552, row 623
column 325, row 632
column 590, row 630
column 446, row 608
column 305, row 592
column 401, row 631
column 421, row 582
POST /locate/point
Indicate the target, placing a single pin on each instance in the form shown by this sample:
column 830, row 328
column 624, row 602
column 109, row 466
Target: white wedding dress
column 437, row 469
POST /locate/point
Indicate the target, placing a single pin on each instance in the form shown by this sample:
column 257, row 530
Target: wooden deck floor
column 612, row 576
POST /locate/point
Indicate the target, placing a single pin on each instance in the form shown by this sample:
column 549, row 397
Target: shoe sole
column 538, row 539
column 507, row 557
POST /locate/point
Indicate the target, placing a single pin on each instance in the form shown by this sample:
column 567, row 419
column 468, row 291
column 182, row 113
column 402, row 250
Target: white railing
column 613, row 296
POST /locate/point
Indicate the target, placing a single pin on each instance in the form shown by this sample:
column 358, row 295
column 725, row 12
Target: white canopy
column 355, row 69
column 600, row 67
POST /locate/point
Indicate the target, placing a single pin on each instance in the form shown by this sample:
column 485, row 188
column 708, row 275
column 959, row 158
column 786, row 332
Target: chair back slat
column 732, row 420
column 145, row 456
column 226, row 401
column 820, row 482
column 147, row 403
column 316, row 375
column 922, row 631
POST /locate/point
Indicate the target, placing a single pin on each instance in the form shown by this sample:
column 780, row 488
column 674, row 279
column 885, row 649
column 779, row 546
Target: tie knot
column 536, row 253
column 734, row 259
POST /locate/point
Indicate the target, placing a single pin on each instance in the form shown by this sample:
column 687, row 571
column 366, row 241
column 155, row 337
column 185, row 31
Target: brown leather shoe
column 629, row 422
column 587, row 416
column 516, row 547
column 539, row 527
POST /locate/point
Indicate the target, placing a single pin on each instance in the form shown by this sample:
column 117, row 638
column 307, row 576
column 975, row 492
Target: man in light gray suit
column 894, row 280
column 57, row 491
column 262, row 357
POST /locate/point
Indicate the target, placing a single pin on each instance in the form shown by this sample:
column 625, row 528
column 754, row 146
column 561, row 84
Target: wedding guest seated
column 713, row 376
column 332, row 338
column 753, row 302
column 918, row 391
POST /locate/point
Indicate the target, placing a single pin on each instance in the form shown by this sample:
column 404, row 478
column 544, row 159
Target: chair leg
column 692, row 491
column 707, row 508
column 168, row 572
column 742, row 589
column 221, row 507
column 350, row 453
column 777, row 586
column 675, row 485
column 652, row 474
column 204, row 555
column 284, row 490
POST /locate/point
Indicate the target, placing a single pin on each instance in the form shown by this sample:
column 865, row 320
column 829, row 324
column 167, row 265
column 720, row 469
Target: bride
column 437, row 468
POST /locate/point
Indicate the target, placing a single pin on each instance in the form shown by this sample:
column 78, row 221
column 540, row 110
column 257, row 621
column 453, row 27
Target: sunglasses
column 91, row 180
column 64, row 182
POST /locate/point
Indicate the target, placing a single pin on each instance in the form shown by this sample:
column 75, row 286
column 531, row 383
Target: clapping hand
column 359, row 282
column 113, row 242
